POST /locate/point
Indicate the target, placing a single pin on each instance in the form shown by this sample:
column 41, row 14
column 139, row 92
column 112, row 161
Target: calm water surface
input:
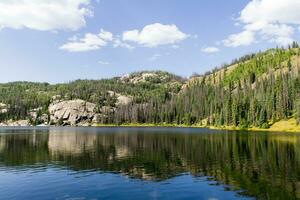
column 147, row 163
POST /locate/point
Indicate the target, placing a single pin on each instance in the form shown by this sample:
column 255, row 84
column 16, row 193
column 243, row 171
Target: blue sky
column 63, row 40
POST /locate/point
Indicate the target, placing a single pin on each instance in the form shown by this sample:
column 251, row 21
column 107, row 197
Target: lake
column 147, row 163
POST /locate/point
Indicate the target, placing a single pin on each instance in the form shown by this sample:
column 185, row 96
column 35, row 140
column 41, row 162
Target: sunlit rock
column 71, row 112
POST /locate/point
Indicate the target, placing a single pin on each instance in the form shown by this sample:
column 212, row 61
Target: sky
column 58, row 41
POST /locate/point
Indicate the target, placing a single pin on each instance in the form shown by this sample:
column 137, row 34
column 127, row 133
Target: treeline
column 270, row 100
column 261, row 90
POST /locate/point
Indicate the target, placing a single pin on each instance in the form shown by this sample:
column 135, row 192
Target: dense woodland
column 23, row 97
column 255, row 90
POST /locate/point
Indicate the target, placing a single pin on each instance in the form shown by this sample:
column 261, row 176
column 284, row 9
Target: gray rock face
column 71, row 112
column 15, row 123
column 3, row 108
column 41, row 118
column 121, row 99
column 142, row 77
column 102, row 117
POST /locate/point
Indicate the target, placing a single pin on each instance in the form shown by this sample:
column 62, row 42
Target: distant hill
column 256, row 90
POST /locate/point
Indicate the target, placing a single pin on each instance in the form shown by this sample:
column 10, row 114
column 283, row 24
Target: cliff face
column 71, row 112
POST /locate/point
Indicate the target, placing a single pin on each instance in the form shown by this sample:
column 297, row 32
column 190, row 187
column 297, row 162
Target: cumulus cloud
column 119, row 43
column 240, row 39
column 210, row 50
column 44, row 15
column 89, row 42
column 270, row 11
column 154, row 35
column 150, row 36
column 270, row 20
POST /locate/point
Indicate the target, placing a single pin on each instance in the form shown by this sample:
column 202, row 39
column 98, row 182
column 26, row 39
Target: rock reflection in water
column 262, row 165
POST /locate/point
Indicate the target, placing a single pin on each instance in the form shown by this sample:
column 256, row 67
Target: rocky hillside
column 81, row 102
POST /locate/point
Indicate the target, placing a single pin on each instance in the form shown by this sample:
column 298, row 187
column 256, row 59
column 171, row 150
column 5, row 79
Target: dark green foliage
column 295, row 45
column 243, row 98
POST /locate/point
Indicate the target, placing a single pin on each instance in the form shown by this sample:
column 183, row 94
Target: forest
column 255, row 90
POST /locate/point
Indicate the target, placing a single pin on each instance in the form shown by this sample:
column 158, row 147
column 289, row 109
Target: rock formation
column 121, row 99
column 15, row 123
column 71, row 112
column 3, row 108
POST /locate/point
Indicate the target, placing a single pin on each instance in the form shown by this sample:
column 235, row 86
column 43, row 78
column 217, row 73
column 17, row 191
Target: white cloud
column 175, row 46
column 119, row 43
column 89, row 42
column 271, row 11
column 278, row 33
column 154, row 35
column 241, row 39
column 105, row 35
column 44, row 15
column 210, row 50
column 154, row 57
column 270, row 20
column 103, row 62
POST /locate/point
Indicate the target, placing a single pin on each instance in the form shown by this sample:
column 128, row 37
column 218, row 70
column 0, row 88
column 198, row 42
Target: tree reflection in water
column 264, row 165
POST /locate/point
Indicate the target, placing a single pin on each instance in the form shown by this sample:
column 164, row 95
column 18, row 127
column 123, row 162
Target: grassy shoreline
column 228, row 128
column 289, row 126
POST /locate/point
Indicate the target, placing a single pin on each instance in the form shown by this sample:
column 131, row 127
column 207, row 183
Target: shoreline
column 223, row 128
column 286, row 126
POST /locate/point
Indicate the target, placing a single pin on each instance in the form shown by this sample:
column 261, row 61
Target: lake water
column 147, row 163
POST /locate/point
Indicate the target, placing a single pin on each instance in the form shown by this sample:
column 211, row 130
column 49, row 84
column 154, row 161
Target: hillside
column 256, row 90
column 31, row 101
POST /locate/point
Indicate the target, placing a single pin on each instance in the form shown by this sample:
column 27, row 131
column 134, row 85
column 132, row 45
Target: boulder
column 23, row 123
column 16, row 123
column 3, row 108
column 72, row 112
column 37, row 116
column 121, row 99
column 44, row 118
column 41, row 119
column 124, row 100
column 2, row 124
